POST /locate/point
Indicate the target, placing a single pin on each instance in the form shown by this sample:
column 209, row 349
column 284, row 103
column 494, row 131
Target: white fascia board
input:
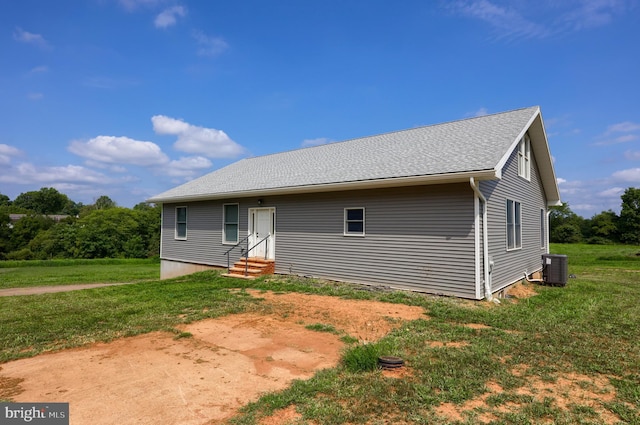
column 549, row 176
column 500, row 165
column 540, row 148
column 340, row 186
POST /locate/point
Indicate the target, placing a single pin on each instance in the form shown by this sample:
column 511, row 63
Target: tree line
column 51, row 225
column 47, row 224
column 607, row 227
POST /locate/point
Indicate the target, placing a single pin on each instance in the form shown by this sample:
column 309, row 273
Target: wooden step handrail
column 246, row 238
column 246, row 259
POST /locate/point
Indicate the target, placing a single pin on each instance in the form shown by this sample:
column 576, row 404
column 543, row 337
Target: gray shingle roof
column 469, row 145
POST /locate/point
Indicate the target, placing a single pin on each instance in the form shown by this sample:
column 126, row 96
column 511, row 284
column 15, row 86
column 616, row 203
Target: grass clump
column 361, row 358
column 321, row 327
column 364, row 357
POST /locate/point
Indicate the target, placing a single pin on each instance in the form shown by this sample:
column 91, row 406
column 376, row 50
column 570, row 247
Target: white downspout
column 547, row 231
column 485, row 241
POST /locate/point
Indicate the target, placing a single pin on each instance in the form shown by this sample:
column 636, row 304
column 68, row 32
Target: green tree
column 72, row 208
column 27, row 228
column 44, row 201
column 149, row 216
column 565, row 226
column 629, row 222
column 566, row 233
column 57, row 242
column 108, row 233
column 603, row 227
column 5, row 234
column 104, row 202
column 4, row 200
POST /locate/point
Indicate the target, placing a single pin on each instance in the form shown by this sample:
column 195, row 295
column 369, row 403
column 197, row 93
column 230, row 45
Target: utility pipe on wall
column 485, row 241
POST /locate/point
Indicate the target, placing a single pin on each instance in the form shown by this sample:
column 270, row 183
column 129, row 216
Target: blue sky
column 129, row 98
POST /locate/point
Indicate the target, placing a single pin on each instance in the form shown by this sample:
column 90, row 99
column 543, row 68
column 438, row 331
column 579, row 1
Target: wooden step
column 254, row 267
column 238, row 276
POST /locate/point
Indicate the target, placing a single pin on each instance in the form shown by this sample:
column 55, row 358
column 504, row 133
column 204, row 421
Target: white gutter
column 485, row 241
column 332, row 187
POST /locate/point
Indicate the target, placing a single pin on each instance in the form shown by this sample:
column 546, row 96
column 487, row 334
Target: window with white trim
column 230, row 223
column 514, row 225
column 354, row 221
column 524, row 157
column 181, row 223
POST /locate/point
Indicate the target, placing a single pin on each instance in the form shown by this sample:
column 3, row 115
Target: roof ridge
column 388, row 133
column 430, row 151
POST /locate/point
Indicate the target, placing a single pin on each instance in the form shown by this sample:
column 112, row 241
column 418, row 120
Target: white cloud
column 590, row 197
column 514, row 19
column 560, row 180
column 27, row 173
column 131, row 5
column 508, row 21
column 594, row 13
column 613, row 136
column 111, row 167
column 187, row 167
column 622, row 127
column 632, row 155
column 38, row 70
column 631, row 175
column 166, row 125
column 35, row 96
column 583, row 209
column 481, row 112
column 315, row 142
column 9, row 150
column 613, row 192
column 209, row 46
column 30, row 38
column 169, row 16
column 193, row 139
column 119, row 150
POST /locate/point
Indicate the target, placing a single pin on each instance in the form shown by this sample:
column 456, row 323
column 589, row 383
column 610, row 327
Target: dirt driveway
column 202, row 379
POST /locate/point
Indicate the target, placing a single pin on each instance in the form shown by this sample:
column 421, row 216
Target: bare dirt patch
column 566, row 391
column 450, row 344
column 226, row 363
column 476, row 326
column 522, row 291
column 282, row 416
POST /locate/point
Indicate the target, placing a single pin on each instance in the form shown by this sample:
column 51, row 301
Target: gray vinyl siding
column 480, row 286
column 204, row 233
column 510, row 266
column 418, row 238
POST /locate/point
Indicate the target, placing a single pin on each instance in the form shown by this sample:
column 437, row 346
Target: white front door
column 261, row 226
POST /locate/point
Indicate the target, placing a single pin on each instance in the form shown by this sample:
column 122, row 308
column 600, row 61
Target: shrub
column 20, row 255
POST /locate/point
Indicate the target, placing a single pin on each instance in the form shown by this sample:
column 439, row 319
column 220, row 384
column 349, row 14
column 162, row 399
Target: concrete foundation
column 169, row 269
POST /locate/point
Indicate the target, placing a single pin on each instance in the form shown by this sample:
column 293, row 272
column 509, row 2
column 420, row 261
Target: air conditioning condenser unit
column 555, row 269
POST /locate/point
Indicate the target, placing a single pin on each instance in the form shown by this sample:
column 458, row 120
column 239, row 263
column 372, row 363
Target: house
column 459, row 208
column 13, row 218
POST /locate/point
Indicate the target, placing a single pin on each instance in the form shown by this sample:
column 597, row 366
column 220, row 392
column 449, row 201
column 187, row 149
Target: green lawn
column 17, row 274
column 580, row 339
